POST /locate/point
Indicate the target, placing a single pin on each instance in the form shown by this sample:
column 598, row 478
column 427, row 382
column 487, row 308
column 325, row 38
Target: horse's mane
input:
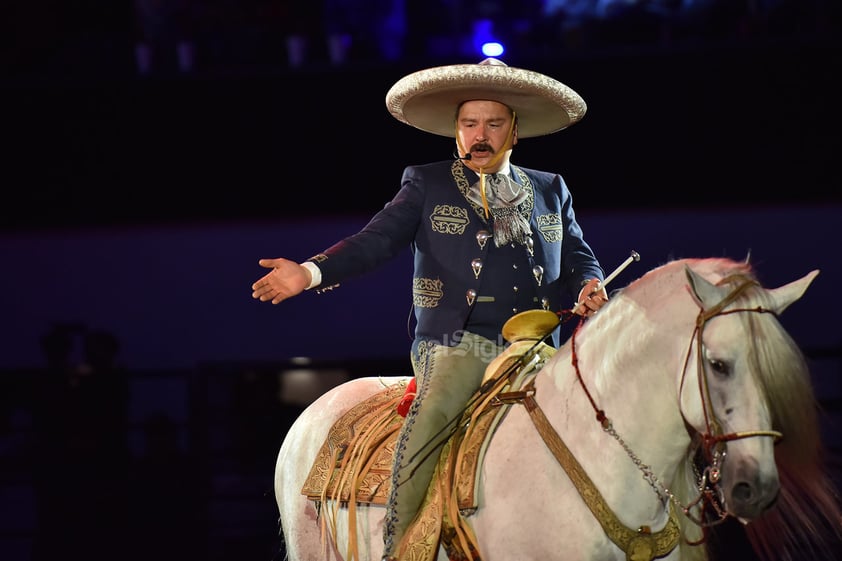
column 806, row 522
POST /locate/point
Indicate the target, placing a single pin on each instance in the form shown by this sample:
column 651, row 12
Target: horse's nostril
column 741, row 492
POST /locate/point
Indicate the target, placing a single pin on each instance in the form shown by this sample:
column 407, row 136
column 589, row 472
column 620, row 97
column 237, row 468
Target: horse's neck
column 629, row 366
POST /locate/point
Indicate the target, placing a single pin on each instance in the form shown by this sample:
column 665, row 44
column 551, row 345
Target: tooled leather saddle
column 354, row 463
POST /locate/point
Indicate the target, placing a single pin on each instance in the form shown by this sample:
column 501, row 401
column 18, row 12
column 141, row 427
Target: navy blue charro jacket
column 433, row 215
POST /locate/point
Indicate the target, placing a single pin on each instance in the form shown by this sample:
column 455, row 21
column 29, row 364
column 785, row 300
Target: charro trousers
column 446, row 378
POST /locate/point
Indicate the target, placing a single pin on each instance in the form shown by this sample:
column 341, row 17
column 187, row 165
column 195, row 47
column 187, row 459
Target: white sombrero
column 428, row 99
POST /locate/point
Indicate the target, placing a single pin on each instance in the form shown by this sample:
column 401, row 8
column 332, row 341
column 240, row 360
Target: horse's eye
column 719, row 367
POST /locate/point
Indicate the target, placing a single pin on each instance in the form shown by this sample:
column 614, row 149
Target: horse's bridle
column 713, row 439
column 713, row 435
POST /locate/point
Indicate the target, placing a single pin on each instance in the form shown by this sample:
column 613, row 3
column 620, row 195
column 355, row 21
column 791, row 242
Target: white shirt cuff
column 315, row 274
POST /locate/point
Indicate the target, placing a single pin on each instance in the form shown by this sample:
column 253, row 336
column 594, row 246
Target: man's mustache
column 482, row 146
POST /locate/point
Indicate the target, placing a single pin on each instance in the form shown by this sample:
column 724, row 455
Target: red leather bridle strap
column 713, row 431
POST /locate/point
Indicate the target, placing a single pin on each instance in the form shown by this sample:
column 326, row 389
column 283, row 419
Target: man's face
column 483, row 129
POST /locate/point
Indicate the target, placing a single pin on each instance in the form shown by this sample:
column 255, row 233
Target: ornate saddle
column 356, row 457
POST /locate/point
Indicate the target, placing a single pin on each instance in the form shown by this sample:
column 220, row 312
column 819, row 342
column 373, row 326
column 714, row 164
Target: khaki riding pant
column 446, row 377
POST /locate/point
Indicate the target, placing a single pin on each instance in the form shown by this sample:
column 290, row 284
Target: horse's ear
column 705, row 292
column 785, row 295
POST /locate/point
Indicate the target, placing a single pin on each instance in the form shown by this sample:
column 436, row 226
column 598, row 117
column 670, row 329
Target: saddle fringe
column 353, row 462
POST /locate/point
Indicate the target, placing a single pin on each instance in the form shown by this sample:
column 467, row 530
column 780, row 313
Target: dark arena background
column 154, row 151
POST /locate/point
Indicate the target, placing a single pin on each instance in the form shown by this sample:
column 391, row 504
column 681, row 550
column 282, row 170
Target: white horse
column 672, row 400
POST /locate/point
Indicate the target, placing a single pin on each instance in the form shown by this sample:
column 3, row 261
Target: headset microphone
column 466, row 158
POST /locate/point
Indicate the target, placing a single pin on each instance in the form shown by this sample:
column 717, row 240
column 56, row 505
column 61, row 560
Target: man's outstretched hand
column 285, row 280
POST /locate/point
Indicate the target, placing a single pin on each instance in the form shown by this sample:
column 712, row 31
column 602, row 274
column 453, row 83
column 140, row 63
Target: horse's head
column 741, row 367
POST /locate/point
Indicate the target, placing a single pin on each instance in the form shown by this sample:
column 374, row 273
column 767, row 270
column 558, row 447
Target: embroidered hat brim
column 428, row 99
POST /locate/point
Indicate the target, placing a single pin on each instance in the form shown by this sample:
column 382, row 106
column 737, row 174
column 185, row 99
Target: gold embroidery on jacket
column 449, row 219
column 427, row 293
column 551, row 227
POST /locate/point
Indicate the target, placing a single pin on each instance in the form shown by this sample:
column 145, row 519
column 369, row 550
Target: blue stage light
column 493, row 48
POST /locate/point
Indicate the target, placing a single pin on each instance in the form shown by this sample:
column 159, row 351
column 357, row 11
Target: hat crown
column 491, row 61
